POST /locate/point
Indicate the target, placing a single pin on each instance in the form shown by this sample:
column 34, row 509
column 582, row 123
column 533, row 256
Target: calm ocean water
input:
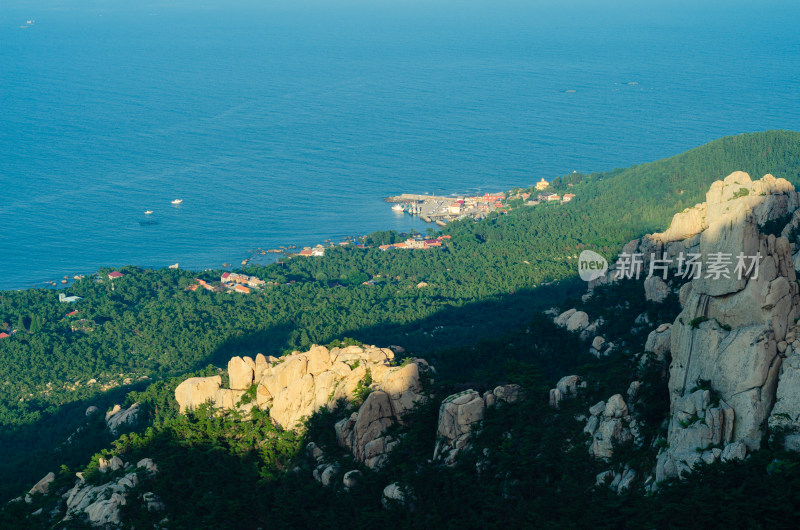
column 288, row 124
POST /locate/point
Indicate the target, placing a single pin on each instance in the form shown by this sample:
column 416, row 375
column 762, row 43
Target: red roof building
column 73, row 313
column 4, row 335
column 241, row 289
column 115, row 274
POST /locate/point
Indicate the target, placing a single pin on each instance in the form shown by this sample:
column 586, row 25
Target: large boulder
column 685, row 224
column 363, row 432
column 195, row 391
column 43, row 486
column 373, row 418
column 122, row 417
column 240, row 372
column 566, row 386
column 403, row 388
column 561, row 320
column 458, row 414
column 659, row 341
column 578, row 321
column 656, row 289
column 393, row 493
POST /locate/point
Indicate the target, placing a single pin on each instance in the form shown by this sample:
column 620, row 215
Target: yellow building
column 542, row 184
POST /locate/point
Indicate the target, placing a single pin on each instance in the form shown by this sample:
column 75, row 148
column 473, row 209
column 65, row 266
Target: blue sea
column 286, row 123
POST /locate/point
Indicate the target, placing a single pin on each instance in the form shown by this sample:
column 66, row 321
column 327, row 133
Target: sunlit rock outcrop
column 297, row 385
column 730, row 339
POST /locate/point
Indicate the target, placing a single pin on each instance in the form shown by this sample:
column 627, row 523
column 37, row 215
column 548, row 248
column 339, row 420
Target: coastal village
column 441, row 210
column 430, row 208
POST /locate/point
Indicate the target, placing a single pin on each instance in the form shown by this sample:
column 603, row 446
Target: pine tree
column 20, row 324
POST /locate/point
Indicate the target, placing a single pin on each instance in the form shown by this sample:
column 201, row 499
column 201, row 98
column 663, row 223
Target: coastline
column 427, row 210
column 262, row 255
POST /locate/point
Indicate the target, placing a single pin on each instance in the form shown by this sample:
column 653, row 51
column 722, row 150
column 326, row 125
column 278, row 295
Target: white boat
column 397, row 207
column 177, row 201
column 148, row 212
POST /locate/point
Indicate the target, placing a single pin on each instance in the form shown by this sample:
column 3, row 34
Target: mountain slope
column 481, row 289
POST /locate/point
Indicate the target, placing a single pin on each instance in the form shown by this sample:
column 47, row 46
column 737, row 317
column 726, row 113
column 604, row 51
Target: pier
column 411, row 197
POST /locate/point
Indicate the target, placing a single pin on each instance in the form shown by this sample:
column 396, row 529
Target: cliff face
column 736, row 328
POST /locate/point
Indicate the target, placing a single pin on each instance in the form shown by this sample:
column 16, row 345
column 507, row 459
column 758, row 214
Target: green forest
column 478, row 320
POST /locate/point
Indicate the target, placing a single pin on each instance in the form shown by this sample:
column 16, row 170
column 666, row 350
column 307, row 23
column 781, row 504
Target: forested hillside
column 485, row 284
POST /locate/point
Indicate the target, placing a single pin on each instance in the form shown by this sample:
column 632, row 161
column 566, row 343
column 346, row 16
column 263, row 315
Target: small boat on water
column 148, row 212
column 397, row 207
column 177, row 201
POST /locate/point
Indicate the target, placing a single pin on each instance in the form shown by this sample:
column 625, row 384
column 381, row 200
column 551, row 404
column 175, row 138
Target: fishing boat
column 148, row 212
column 177, row 201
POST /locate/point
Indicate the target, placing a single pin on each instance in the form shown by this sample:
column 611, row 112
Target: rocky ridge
column 297, row 385
column 733, row 368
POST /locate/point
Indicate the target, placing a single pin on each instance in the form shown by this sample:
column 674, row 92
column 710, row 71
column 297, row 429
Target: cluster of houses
column 240, row 283
column 316, row 252
column 237, row 283
column 478, row 206
column 486, row 202
column 549, row 197
column 417, row 243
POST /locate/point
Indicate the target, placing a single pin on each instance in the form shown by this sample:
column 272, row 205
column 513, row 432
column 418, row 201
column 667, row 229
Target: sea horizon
column 289, row 124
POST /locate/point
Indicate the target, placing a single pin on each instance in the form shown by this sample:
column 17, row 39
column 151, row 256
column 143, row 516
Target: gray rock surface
column 100, row 504
column 785, row 415
column 659, row 341
column 121, row 418
column 610, row 423
column 732, row 331
column 393, row 493
column 577, row 322
column 656, row 289
column 461, row 413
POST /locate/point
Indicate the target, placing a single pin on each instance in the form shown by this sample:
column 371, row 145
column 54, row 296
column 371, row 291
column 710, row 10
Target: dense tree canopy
column 488, row 281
